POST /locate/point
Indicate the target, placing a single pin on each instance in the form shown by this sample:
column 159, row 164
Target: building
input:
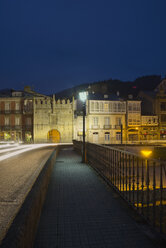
column 109, row 119
column 16, row 116
column 53, row 119
column 32, row 117
column 154, row 103
column 29, row 116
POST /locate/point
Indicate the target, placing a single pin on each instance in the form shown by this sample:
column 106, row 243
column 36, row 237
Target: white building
column 107, row 118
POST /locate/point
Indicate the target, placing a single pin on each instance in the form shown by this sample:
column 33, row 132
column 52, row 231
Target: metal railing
column 141, row 182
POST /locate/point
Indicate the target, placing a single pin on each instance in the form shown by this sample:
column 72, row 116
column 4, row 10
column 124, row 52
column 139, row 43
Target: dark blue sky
column 56, row 44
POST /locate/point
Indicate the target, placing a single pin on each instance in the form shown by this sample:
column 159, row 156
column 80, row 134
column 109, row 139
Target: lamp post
column 83, row 97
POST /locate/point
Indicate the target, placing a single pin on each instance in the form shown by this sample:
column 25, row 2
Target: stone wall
column 50, row 114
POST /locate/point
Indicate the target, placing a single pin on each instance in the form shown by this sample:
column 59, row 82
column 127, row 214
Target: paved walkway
column 81, row 211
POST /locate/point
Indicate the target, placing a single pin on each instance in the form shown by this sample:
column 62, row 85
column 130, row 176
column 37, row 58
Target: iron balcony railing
column 141, row 182
column 107, row 126
column 11, row 111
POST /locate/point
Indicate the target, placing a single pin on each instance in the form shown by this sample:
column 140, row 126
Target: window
column 7, row 121
column 96, row 106
column 134, row 106
column 118, row 136
column 114, row 107
column 130, row 107
column 118, row 121
column 17, row 106
column 95, row 137
column 95, row 121
column 134, row 119
column 92, row 106
column 101, row 106
column 163, row 106
column 119, row 107
column 163, row 118
column 107, row 136
column 106, row 107
column 7, row 106
column 110, row 107
column 106, row 120
column 17, row 121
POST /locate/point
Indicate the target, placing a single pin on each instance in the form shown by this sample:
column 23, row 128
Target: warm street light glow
column 83, row 96
column 146, row 153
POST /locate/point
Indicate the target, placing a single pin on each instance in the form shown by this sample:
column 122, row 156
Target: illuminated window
column 17, row 106
column 106, row 120
column 107, row 136
column 95, row 121
column 110, row 107
column 17, row 121
column 7, row 106
column 7, row 121
column 106, row 107
column 118, row 136
column 118, row 121
column 92, row 106
column 101, row 106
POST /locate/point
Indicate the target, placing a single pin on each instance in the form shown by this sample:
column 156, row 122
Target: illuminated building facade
column 154, row 103
column 53, row 120
column 32, row 117
column 16, row 116
column 109, row 119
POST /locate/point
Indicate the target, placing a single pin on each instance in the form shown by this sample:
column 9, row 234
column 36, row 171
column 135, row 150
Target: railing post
column 120, row 174
column 142, row 192
column 115, row 167
column 154, row 194
column 129, row 178
column 126, row 175
column 147, row 187
column 161, row 198
column 133, row 181
column 123, row 172
column 137, row 183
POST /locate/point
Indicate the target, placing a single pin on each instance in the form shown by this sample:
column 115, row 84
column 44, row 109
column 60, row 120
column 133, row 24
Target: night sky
column 57, row 44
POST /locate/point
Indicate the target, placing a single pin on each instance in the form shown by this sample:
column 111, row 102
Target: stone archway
column 54, row 136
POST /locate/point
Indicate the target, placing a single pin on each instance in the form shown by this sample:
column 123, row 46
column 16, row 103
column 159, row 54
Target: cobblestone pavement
column 17, row 175
column 80, row 211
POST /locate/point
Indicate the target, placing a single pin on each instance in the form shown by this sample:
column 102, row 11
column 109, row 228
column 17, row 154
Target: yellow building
column 109, row 120
column 52, row 120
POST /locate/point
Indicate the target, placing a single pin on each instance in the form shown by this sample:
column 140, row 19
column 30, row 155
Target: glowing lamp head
column 83, row 96
column 146, row 153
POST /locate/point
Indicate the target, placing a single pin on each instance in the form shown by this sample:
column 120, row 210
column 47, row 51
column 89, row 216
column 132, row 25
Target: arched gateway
column 54, row 136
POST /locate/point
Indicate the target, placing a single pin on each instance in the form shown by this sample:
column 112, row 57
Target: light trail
column 13, row 149
column 29, row 148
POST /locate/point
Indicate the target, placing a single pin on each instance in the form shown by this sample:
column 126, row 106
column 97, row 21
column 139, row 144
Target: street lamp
column 146, row 154
column 83, row 97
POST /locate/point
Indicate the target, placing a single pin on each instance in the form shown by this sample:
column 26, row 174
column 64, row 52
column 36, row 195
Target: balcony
column 11, row 111
column 107, row 126
column 18, row 111
column 6, row 127
column 95, row 127
column 28, row 127
column 117, row 126
column 17, row 127
column 7, row 111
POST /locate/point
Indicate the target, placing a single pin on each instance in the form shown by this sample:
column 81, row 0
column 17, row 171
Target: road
column 19, row 168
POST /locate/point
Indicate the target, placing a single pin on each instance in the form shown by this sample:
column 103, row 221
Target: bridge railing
column 141, row 182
